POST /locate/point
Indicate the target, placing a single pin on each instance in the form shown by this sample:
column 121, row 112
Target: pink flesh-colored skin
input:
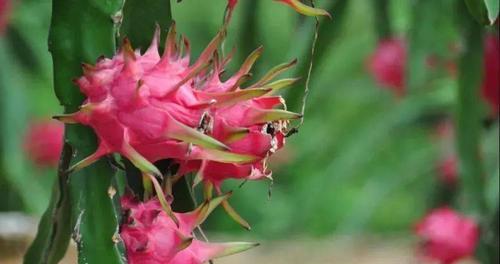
column 447, row 236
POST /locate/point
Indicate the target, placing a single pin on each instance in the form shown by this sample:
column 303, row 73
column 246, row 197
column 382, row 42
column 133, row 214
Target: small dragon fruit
column 152, row 237
column 491, row 79
column 387, row 65
column 150, row 108
column 43, row 142
column 447, row 236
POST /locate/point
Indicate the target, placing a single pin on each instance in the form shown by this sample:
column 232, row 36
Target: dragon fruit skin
column 150, row 107
column 447, row 236
column 152, row 237
column 491, row 78
column 43, row 142
column 387, row 65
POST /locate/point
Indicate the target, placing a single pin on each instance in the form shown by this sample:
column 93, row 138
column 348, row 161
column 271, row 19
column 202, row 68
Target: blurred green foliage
column 364, row 161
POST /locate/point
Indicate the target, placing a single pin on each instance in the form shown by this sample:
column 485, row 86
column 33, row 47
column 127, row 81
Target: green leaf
column 81, row 31
column 477, row 8
column 492, row 6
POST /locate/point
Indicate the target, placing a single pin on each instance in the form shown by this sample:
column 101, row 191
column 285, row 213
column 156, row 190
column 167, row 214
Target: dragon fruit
column 150, row 108
column 153, row 237
column 43, row 142
column 447, row 236
column 491, row 81
column 387, row 65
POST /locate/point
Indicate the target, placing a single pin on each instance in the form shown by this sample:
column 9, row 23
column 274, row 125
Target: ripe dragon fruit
column 387, row 65
column 447, row 236
column 491, row 82
column 152, row 237
column 43, row 142
column 149, row 108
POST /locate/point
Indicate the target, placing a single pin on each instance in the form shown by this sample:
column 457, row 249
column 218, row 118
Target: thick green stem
column 469, row 117
column 81, row 31
column 469, row 126
column 140, row 18
column 382, row 22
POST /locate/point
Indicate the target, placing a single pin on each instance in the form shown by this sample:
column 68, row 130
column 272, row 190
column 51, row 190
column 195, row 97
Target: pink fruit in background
column 149, row 107
column 5, row 6
column 448, row 170
column 387, row 65
column 447, row 236
column 152, row 237
column 491, row 77
column 43, row 142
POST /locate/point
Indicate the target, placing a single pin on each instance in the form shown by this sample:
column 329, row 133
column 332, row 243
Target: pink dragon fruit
column 43, row 142
column 387, row 65
column 447, row 236
column 491, row 80
column 295, row 4
column 149, row 108
column 152, row 237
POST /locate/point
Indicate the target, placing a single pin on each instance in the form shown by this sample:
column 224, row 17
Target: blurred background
column 376, row 151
